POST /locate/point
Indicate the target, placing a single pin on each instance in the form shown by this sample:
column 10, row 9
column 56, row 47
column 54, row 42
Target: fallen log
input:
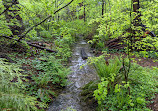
column 30, row 44
column 40, row 47
column 83, row 54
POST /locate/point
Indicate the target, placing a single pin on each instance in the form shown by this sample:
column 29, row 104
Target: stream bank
column 70, row 96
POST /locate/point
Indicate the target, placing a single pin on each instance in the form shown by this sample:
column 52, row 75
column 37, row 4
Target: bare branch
column 6, row 9
column 44, row 20
column 61, row 3
column 63, row 7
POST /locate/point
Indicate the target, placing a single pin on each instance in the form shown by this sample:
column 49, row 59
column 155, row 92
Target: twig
column 6, row 9
column 61, row 3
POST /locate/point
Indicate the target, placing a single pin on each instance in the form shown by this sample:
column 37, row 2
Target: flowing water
column 70, row 97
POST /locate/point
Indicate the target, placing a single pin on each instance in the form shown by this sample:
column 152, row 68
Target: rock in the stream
column 83, row 54
column 77, row 85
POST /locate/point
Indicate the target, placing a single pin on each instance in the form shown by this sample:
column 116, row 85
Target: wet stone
column 77, row 85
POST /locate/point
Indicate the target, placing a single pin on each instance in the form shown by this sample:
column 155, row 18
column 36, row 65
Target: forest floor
column 12, row 52
column 142, row 61
column 6, row 50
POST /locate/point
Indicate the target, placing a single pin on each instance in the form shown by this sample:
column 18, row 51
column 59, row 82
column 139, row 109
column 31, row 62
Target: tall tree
column 137, row 19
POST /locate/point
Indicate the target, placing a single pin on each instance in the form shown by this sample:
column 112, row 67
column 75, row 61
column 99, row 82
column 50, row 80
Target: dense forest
column 38, row 40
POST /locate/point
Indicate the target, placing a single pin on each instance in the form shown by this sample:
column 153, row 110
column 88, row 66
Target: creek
column 70, row 96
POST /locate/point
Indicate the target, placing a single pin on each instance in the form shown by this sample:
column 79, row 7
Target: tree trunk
column 84, row 12
column 13, row 17
column 137, row 19
column 103, row 7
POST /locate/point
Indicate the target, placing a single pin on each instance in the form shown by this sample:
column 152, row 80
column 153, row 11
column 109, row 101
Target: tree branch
column 30, row 44
column 61, row 3
column 44, row 20
column 6, row 9
column 63, row 7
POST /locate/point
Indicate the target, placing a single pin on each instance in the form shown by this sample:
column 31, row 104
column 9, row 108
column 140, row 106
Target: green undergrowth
column 115, row 91
column 42, row 78
column 48, row 74
column 12, row 94
column 147, row 54
column 115, row 23
column 81, row 28
column 69, row 109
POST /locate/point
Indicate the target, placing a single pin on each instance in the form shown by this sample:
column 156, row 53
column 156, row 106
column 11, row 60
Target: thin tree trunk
column 103, row 7
column 84, row 13
column 137, row 19
column 136, row 22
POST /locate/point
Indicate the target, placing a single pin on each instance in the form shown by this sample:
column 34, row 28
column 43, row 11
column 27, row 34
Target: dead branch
column 30, row 44
column 39, row 47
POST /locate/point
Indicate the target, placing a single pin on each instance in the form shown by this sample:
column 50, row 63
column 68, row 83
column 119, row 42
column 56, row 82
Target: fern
column 11, row 95
column 103, row 69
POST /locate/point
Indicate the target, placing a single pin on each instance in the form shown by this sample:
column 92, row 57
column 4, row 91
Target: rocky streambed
column 70, row 97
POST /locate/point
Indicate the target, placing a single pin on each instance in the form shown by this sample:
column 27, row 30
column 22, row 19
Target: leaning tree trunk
column 13, row 17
